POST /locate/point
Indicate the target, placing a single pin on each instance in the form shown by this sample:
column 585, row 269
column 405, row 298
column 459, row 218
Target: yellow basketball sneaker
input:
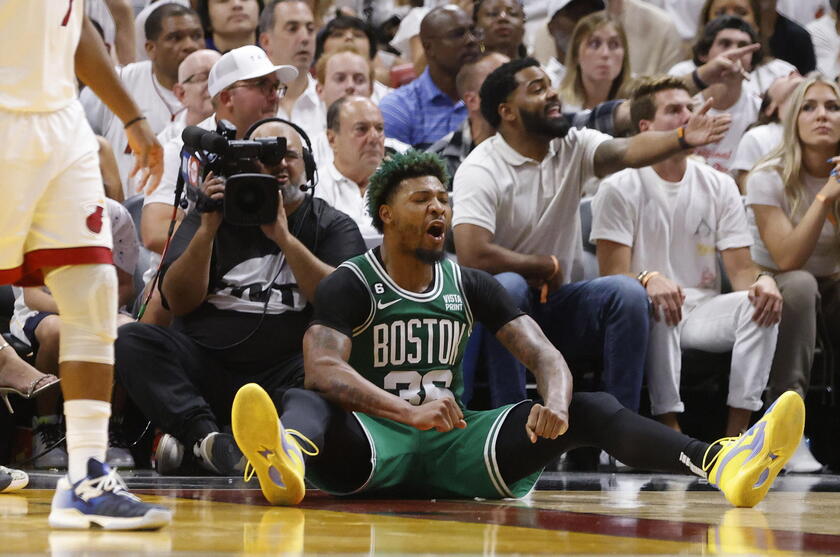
column 746, row 466
column 272, row 451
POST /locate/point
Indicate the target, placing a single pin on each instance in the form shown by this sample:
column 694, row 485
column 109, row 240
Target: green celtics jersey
column 411, row 344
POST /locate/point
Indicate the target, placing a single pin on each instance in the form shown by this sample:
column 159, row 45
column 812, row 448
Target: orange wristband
column 544, row 287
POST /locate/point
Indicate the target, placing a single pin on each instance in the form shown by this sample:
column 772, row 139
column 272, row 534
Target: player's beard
column 541, row 124
column 429, row 256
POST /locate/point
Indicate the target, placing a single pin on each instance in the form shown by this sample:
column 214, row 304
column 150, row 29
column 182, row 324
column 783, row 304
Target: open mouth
column 553, row 110
column 436, row 230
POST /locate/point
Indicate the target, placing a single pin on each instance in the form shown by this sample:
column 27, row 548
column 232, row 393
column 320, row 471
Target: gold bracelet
column 649, row 276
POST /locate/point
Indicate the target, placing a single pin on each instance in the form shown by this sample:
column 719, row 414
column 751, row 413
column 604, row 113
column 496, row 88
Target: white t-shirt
column 744, row 112
column 37, row 70
column 765, row 187
column 802, row 12
column 157, row 103
column 674, row 228
column 760, row 78
column 409, row 27
column 308, row 112
column 755, row 144
column 343, row 194
column 556, row 71
column 826, row 45
column 173, row 129
column 529, row 206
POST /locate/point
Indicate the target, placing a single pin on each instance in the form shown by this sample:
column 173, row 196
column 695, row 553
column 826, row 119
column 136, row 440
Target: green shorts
column 460, row 463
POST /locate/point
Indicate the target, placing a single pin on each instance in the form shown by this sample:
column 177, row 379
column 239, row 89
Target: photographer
column 241, row 296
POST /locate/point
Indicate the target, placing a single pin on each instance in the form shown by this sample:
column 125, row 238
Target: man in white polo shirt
column 516, row 216
column 172, row 33
column 356, row 134
column 665, row 225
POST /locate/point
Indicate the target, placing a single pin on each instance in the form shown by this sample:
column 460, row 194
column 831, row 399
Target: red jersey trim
column 29, row 274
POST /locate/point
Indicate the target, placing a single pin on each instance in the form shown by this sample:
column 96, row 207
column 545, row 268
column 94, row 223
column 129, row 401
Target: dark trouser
column 595, row 420
column 604, row 320
column 182, row 387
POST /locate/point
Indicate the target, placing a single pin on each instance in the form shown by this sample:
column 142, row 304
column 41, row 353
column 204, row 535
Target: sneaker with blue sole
column 745, row 467
column 102, row 500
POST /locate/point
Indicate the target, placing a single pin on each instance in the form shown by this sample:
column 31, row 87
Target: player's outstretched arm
column 526, row 341
column 325, row 355
column 95, row 69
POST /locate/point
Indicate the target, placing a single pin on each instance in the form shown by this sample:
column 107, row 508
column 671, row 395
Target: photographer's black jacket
column 244, row 261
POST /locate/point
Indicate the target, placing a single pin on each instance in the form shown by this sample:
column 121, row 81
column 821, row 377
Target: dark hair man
column 383, row 356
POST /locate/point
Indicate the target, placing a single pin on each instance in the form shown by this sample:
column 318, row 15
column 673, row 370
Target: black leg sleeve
column 595, row 420
column 344, row 451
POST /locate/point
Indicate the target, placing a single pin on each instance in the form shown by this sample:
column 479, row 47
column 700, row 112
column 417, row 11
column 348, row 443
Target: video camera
column 250, row 197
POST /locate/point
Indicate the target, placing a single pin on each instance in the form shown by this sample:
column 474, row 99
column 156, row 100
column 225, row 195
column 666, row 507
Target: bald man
column 454, row 147
column 238, row 320
column 429, row 107
column 191, row 91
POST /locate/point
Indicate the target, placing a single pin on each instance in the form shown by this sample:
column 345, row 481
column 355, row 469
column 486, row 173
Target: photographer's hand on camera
column 278, row 231
column 214, row 188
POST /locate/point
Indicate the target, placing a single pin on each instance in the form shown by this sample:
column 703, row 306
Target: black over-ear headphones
column 309, row 165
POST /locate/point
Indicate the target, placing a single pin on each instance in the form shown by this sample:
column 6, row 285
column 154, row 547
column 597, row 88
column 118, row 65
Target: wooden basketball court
column 570, row 513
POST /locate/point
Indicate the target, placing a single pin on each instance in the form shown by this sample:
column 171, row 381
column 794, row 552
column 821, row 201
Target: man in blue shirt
column 429, row 107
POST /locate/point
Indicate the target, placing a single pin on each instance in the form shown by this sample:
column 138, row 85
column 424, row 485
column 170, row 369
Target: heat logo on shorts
column 94, row 220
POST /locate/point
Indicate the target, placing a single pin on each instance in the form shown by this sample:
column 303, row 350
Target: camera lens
column 249, row 199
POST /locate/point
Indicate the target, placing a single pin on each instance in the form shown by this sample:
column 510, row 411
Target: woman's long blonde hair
column 786, row 159
column 571, row 88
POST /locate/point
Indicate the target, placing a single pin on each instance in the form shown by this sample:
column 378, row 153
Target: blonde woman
column 597, row 63
column 792, row 195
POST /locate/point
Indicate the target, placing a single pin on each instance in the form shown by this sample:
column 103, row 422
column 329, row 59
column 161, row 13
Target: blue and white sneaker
column 102, row 500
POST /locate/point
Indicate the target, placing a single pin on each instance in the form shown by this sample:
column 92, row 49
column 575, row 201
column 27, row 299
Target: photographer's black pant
column 595, row 420
column 182, row 387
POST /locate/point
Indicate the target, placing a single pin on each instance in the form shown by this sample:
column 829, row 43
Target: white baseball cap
column 245, row 62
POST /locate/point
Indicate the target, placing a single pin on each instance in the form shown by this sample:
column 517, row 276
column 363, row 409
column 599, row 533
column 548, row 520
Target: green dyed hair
column 392, row 171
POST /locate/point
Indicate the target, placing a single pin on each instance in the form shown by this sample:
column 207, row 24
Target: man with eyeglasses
column 244, row 86
column 429, row 107
column 191, row 91
column 172, row 33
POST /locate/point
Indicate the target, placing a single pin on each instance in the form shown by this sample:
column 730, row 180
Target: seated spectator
column 428, row 108
column 356, row 135
column 172, row 33
column 454, row 147
column 765, row 68
column 287, row 34
column 503, row 24
column 723, row 34
column 191, row 91
column 759, row 140
column 563, row 16
column 793, row 200
column 344, row 73
column 665, row 225
column 244, row 87
column 35, row 322
column 110, row 171
column 241, row 296
column 229, row 24
column 516, row 216
column 597, row 64
column 344, row 31
column 825, row 34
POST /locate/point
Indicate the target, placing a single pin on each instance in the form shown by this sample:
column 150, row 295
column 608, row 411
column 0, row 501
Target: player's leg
column 743, row 468
column 311, row 432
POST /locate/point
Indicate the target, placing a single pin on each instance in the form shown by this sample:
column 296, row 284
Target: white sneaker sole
column 76, row 520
